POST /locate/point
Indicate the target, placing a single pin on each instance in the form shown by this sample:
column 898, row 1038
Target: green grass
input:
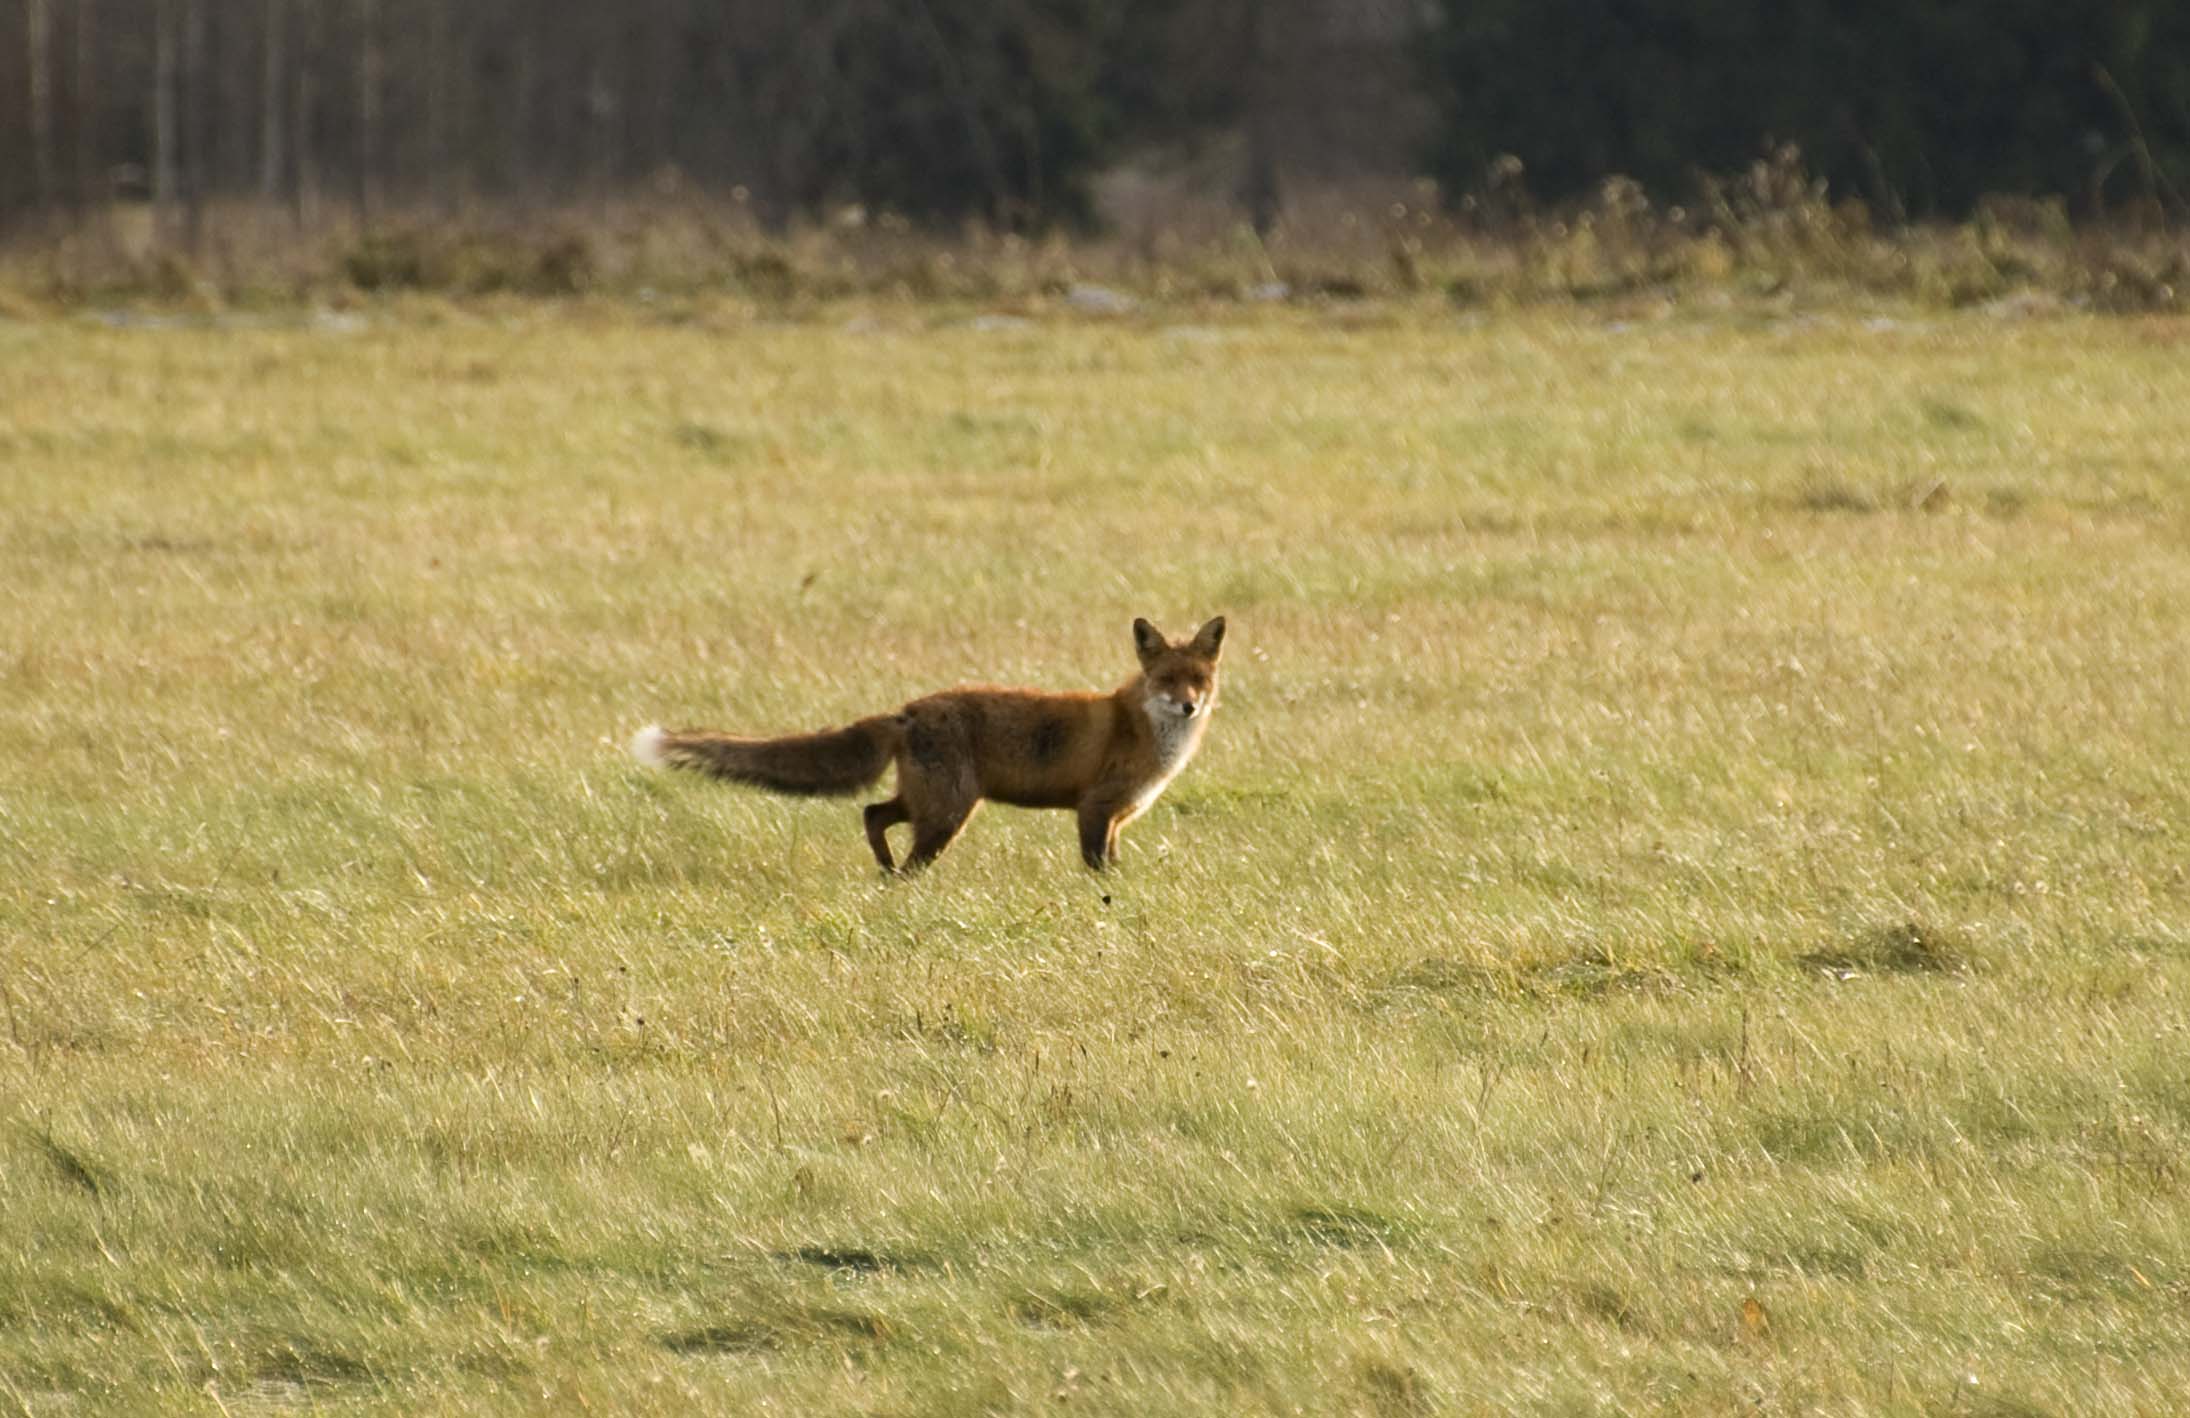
column 1684, row 907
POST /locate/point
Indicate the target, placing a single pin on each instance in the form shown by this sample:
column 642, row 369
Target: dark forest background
column 1005, row 111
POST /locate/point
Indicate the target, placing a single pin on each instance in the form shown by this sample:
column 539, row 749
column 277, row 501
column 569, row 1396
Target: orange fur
column 1104, row 757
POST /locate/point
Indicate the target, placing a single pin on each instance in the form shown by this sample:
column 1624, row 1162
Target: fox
column 1103, row 757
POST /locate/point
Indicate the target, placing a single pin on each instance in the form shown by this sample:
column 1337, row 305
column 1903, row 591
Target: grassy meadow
column 1685, row 906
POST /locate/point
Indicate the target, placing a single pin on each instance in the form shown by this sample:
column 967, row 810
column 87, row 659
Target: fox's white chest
column 1175, row 740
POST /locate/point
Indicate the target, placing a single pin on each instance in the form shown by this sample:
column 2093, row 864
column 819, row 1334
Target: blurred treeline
column 1919, row 108
column 1004, row 112
column 995, row 109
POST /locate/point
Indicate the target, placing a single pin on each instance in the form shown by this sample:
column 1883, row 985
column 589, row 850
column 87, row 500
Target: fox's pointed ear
column 1209, row 639
column 1148, row 641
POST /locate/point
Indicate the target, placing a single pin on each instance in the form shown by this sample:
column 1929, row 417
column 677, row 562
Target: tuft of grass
column 1829, row 490
column 71, row 1166
column 1907, row 948
column 1948, row 415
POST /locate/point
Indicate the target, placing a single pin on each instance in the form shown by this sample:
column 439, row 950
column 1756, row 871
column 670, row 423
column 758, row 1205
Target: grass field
column 1685, row 907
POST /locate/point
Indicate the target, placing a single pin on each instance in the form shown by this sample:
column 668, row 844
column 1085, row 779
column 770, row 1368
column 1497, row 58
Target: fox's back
column 1026, row 747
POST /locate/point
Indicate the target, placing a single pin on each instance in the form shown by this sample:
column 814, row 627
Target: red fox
column 1103, row 756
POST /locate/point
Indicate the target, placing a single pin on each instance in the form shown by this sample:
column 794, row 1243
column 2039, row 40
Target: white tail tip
column 646, row 745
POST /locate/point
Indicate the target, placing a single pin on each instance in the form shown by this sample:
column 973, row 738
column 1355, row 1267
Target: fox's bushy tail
column 832, row 763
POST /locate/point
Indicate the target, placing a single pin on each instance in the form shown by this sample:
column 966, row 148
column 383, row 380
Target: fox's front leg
column 1100, row 820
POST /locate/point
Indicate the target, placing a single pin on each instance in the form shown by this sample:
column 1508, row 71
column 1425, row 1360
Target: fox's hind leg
column 936, row 782
column 938, row 804
column 881, row 817
column 934, row 836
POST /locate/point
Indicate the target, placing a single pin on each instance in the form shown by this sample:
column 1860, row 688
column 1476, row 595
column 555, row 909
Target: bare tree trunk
column 662, row 58
column 1002, row 210
column 270, row 104
column 164, row 133
column 39, row 22
column 371, row 65
column 1265, row 200
column 440, row 181
column 601, row 110
column 195, row 131
column 519, row 164
column 304, row 191
column 234, row 95
column 87, row 108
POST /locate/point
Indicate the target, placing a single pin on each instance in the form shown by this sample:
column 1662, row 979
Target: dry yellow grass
column 1684, row 907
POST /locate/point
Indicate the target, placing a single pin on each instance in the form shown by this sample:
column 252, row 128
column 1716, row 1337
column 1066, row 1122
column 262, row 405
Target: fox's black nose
column 1187, row 707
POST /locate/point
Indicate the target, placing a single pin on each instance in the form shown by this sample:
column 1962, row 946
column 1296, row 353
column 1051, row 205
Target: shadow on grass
column 1909, row 948
column 1607, row 1304
column 849, row 1260
column 1905, row 949
column 743, row 1337
column 1344, row 1227
column 1065, row 1309
column 796, row 1326
column 72, row 1166
column 1588, row 974
column 307, row 1364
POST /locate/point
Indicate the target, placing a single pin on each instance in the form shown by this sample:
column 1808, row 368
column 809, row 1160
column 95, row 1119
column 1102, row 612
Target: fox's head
column 1181, row 679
